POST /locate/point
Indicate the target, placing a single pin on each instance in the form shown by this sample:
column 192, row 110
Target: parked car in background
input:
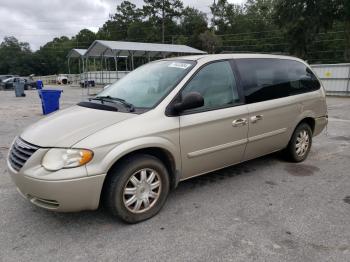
column 62, row 80
column 4, row 77
column 87, row 83
column 29, row 83
column 165, row 122
column 9, row 83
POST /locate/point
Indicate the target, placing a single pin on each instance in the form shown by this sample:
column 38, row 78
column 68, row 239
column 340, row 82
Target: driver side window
column 216, row 83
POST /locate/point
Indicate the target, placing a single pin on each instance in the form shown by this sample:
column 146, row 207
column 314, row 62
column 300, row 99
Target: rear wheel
column 137, row 189
column 300, row 143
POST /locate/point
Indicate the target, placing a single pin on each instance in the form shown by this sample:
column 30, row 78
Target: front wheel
column 137, row 189
column 300, row 143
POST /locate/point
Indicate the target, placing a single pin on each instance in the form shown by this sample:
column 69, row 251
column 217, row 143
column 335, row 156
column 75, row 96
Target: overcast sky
column 39, row 21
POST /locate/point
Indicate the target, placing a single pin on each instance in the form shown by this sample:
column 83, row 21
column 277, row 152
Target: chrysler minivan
column 165, row 122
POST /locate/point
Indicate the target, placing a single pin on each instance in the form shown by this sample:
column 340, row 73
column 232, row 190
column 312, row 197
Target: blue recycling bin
column 39, row 84
column 50, row 100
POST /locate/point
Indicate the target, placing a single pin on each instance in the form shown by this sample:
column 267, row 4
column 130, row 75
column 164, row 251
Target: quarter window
column 266, row 79
column 217, row 84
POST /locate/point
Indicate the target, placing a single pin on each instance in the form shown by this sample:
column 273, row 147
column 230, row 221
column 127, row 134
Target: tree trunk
column 347, row 42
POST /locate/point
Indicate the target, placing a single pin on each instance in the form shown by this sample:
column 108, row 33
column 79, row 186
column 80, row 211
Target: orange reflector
column 86, row 156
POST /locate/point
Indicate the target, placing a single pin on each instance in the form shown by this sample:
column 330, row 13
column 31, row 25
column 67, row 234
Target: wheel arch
column 162, row 149
column 290, row 150
column 308, row 120
column 160, row 153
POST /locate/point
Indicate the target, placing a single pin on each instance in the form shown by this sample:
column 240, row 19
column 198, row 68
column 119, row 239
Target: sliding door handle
column 239, row 122
column 255, row 119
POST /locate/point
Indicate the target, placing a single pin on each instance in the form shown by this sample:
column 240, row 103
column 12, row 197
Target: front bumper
column 66, row 195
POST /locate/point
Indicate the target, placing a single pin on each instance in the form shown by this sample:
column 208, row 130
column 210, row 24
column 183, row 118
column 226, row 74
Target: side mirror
column 189, row 101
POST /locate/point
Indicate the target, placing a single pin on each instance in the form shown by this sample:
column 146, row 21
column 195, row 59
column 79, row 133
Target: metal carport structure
column 76, row 53
column 104, row 50
column 119, row 49
column 83, row 65
column 137, row 49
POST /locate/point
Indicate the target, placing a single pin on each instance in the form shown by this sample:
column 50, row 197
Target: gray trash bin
column 19, row 88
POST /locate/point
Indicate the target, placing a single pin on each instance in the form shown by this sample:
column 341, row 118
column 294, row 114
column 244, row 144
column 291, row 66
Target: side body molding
column 216, row 148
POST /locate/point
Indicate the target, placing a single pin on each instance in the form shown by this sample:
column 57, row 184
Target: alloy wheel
column 302, row 143
column 142, row 190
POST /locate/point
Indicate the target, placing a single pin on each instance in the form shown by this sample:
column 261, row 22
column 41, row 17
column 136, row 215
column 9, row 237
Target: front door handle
column 255, row 119
column 240, row 122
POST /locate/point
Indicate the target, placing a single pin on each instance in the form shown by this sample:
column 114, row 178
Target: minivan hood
column 67, row 127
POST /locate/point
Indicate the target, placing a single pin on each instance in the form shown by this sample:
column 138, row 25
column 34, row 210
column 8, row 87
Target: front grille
column 20, row 152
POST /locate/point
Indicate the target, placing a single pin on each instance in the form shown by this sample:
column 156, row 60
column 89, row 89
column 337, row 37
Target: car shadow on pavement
column 231, row 172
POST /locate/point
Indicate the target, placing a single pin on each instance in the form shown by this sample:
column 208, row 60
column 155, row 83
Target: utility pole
column 213, row 27
column 163, row 20
column 214, row 12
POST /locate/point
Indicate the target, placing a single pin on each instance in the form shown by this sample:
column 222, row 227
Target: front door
column 215, row 135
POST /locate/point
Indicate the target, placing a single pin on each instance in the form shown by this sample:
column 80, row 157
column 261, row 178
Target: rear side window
column 266, row 79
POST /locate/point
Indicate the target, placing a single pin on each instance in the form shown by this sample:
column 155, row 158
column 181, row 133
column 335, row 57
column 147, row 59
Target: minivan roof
column 214, row 57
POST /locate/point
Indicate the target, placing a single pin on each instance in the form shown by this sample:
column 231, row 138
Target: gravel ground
column 262, row 210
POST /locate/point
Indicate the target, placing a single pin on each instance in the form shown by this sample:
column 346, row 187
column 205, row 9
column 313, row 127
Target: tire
column 134, row 200
column 300, row 144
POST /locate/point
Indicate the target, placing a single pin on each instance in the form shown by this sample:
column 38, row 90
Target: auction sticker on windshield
column 179, row 65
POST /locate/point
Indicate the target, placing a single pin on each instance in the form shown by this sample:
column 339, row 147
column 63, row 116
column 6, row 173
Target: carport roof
column 121, row 48
column 76, row 53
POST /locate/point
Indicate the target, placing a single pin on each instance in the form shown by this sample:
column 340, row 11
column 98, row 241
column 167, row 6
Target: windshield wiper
column 130, row 106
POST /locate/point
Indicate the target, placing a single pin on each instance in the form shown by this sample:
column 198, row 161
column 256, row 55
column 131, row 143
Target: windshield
column 147, row 85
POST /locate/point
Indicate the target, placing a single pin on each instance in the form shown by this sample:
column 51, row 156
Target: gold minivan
column 165, row 122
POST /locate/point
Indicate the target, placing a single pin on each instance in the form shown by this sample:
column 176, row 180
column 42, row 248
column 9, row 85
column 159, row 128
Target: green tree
column 162, row 13
column 259, row 14
column 302, row 20
column 344, row 14
column 14, row 56
column 227, row 18
column 299, row 27
column 116, row 28
column 127, row 13
column 52, row 57
column 140, row 32
column 84, row 38
column 210, row 41
column 192, row 24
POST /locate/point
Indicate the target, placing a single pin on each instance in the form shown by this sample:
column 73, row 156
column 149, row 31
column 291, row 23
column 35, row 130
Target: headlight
column 58, row 158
